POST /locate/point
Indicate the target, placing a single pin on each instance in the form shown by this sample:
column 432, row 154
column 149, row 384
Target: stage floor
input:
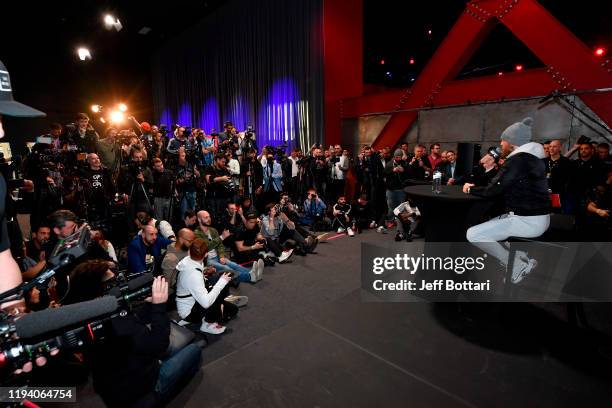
column 307, row 339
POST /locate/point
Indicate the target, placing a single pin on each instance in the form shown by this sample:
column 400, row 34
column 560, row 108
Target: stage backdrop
column 252, row 62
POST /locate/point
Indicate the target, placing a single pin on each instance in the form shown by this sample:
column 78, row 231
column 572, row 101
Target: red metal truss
column 570, row 66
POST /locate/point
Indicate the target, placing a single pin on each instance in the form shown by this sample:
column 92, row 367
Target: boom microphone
column 49, row 320
column 135, row 288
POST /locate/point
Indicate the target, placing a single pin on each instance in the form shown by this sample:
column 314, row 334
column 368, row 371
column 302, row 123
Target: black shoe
column 399, row 237
column 268, row 261
column 409, row 238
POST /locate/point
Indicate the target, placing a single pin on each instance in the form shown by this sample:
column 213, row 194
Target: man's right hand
column 258, row 245
column 226, row 276
column 466, row 187
column 603, row 213
column 159, row 291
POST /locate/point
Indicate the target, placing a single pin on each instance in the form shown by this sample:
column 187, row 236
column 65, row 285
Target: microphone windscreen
column 49, row 320
column 144, row 280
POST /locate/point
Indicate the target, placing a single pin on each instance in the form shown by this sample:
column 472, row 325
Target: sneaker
column 212, row 328
column 260, row 267
column 312, row 244
column 373, row 225
column 409, row 237
column 285, row 256
column 254, row 271
column 350, row 232
column 340, row 230
column 238, row 301
column 522, row 267
column 399, row 237
column 381, row 230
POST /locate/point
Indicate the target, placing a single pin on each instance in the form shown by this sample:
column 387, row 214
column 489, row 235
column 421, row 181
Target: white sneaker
column 522, row 267
column 285, row 256
column 373, row 224
column 254, row 272
column 381, row 229
column 340, row 230
column 212, row 328
column 350, row 232
column 238, row 301
column 260, row 268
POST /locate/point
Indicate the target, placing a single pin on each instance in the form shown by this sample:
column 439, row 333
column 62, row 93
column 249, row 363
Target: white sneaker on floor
column 260, row 268
column 350, row 232
column 285, row 256
column 340, row 230
column 373, row 224
column 212, row 328
column 381, row 229
column 522, row 267
column 238, row 301
column 254, row 272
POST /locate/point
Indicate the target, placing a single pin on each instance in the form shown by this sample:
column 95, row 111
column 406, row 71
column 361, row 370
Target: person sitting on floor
column 364, row 214
column 343, row 219
column 196, row 299
column 314, row 212
column 407, row 217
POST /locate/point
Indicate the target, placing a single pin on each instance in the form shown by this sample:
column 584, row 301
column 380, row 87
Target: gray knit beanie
column 398, row 152
column 518, row 133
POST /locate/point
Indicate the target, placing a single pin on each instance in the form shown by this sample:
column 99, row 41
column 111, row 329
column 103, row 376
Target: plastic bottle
column 437, row 182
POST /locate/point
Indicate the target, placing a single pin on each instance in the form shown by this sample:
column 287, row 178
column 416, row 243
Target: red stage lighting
column 500, row 73
column 382, row 62
column 411, row 61
column 518, row 67
column 600, row 51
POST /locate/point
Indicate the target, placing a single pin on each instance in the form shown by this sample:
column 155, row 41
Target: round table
column 447, row 215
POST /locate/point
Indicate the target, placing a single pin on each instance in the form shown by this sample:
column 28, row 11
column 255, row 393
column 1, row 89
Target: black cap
column 8, row 106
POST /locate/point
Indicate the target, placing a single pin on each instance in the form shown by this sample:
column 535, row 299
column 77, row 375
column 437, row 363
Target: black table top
column 447, row 193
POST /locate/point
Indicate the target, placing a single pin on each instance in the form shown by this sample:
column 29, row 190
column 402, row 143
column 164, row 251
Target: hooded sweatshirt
column 521, row 181
column 190, row 287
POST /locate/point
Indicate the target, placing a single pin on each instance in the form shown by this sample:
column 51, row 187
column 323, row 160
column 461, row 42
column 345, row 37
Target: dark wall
column 250, row 62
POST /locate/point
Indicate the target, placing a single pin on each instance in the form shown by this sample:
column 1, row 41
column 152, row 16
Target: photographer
column 135, row 181
column 80, row 136
column 186, row 176
column 339, row 163
column 314, row 212
column 272, row 178
column 319, row 170
column 396, row 175
column 144, row 218
column 146, row 249
column 252, row 173
column 99, row 190
column 180, row 140
column 163, row 190
column 197, row 301
column 221, row 188
column 419, row 164
column 129, row 368
column 342, row 217
column 109, row 150
column 248, row 141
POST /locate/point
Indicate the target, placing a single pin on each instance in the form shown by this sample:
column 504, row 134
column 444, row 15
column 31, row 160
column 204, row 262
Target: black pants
column 213, row 314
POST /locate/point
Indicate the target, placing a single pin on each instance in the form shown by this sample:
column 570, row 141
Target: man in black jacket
column 396, row 175
column 522, row 183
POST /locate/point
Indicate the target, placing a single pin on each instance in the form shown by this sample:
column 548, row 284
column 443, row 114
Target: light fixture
column 122, row 107
column 518, row 67
column 411, row 61
column 382, row 62
column 96, row 108
column 600, row 51
column 117, row 116
column 500, row 73
column 84, row 53
column 111, row 22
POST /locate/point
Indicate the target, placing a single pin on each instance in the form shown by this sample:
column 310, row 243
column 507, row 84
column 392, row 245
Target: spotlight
column 518, row 67
column 117, row 116
column 428, row 32
column 112, row 22
column 500, row 73
column 96, row 108
column 411, row 61
column 382, row 62
column 84, row 53
column 600, row 51
column 122, row 107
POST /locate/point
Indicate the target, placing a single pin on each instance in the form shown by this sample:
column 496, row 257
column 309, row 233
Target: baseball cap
column 9, row 106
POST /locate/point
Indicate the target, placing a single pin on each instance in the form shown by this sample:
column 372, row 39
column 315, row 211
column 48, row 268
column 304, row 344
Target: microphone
column 50, row 320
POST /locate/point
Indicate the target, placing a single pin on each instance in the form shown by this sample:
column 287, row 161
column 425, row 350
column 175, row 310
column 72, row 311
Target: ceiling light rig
column 111, row 22
column 84, row 53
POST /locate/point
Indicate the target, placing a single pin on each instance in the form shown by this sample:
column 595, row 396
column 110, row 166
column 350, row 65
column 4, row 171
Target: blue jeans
column 394, row 198
column 177, row 369
column 229, row 266
column 188, row 202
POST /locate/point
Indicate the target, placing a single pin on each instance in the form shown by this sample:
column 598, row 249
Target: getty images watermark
column 459, row 271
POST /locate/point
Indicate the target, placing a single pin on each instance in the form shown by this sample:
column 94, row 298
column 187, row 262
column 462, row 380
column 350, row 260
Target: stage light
column 518, row 67
column 500, row 73
column 600, row 51
column 382, row 62
column 411, row 61
column 428, row 32
column 388, row 73
column 95, row 108
column 122, row 107
column 102, row 120
column 112, row 22
column 117, row 116
column 84, row 53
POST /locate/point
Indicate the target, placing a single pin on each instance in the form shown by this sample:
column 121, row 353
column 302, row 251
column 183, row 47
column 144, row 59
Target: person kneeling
column 408, row 218
column 196, row 299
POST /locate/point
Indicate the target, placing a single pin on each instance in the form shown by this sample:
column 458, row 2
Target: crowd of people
column 209, row 212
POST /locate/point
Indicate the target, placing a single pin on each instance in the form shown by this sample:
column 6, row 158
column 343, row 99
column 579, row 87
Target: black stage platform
column 306, row 339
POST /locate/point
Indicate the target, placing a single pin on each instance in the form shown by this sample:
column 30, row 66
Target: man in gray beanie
column 521, row 181
column 396, row 175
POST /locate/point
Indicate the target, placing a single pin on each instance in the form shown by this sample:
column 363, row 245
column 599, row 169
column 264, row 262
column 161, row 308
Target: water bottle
column 437, row 182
